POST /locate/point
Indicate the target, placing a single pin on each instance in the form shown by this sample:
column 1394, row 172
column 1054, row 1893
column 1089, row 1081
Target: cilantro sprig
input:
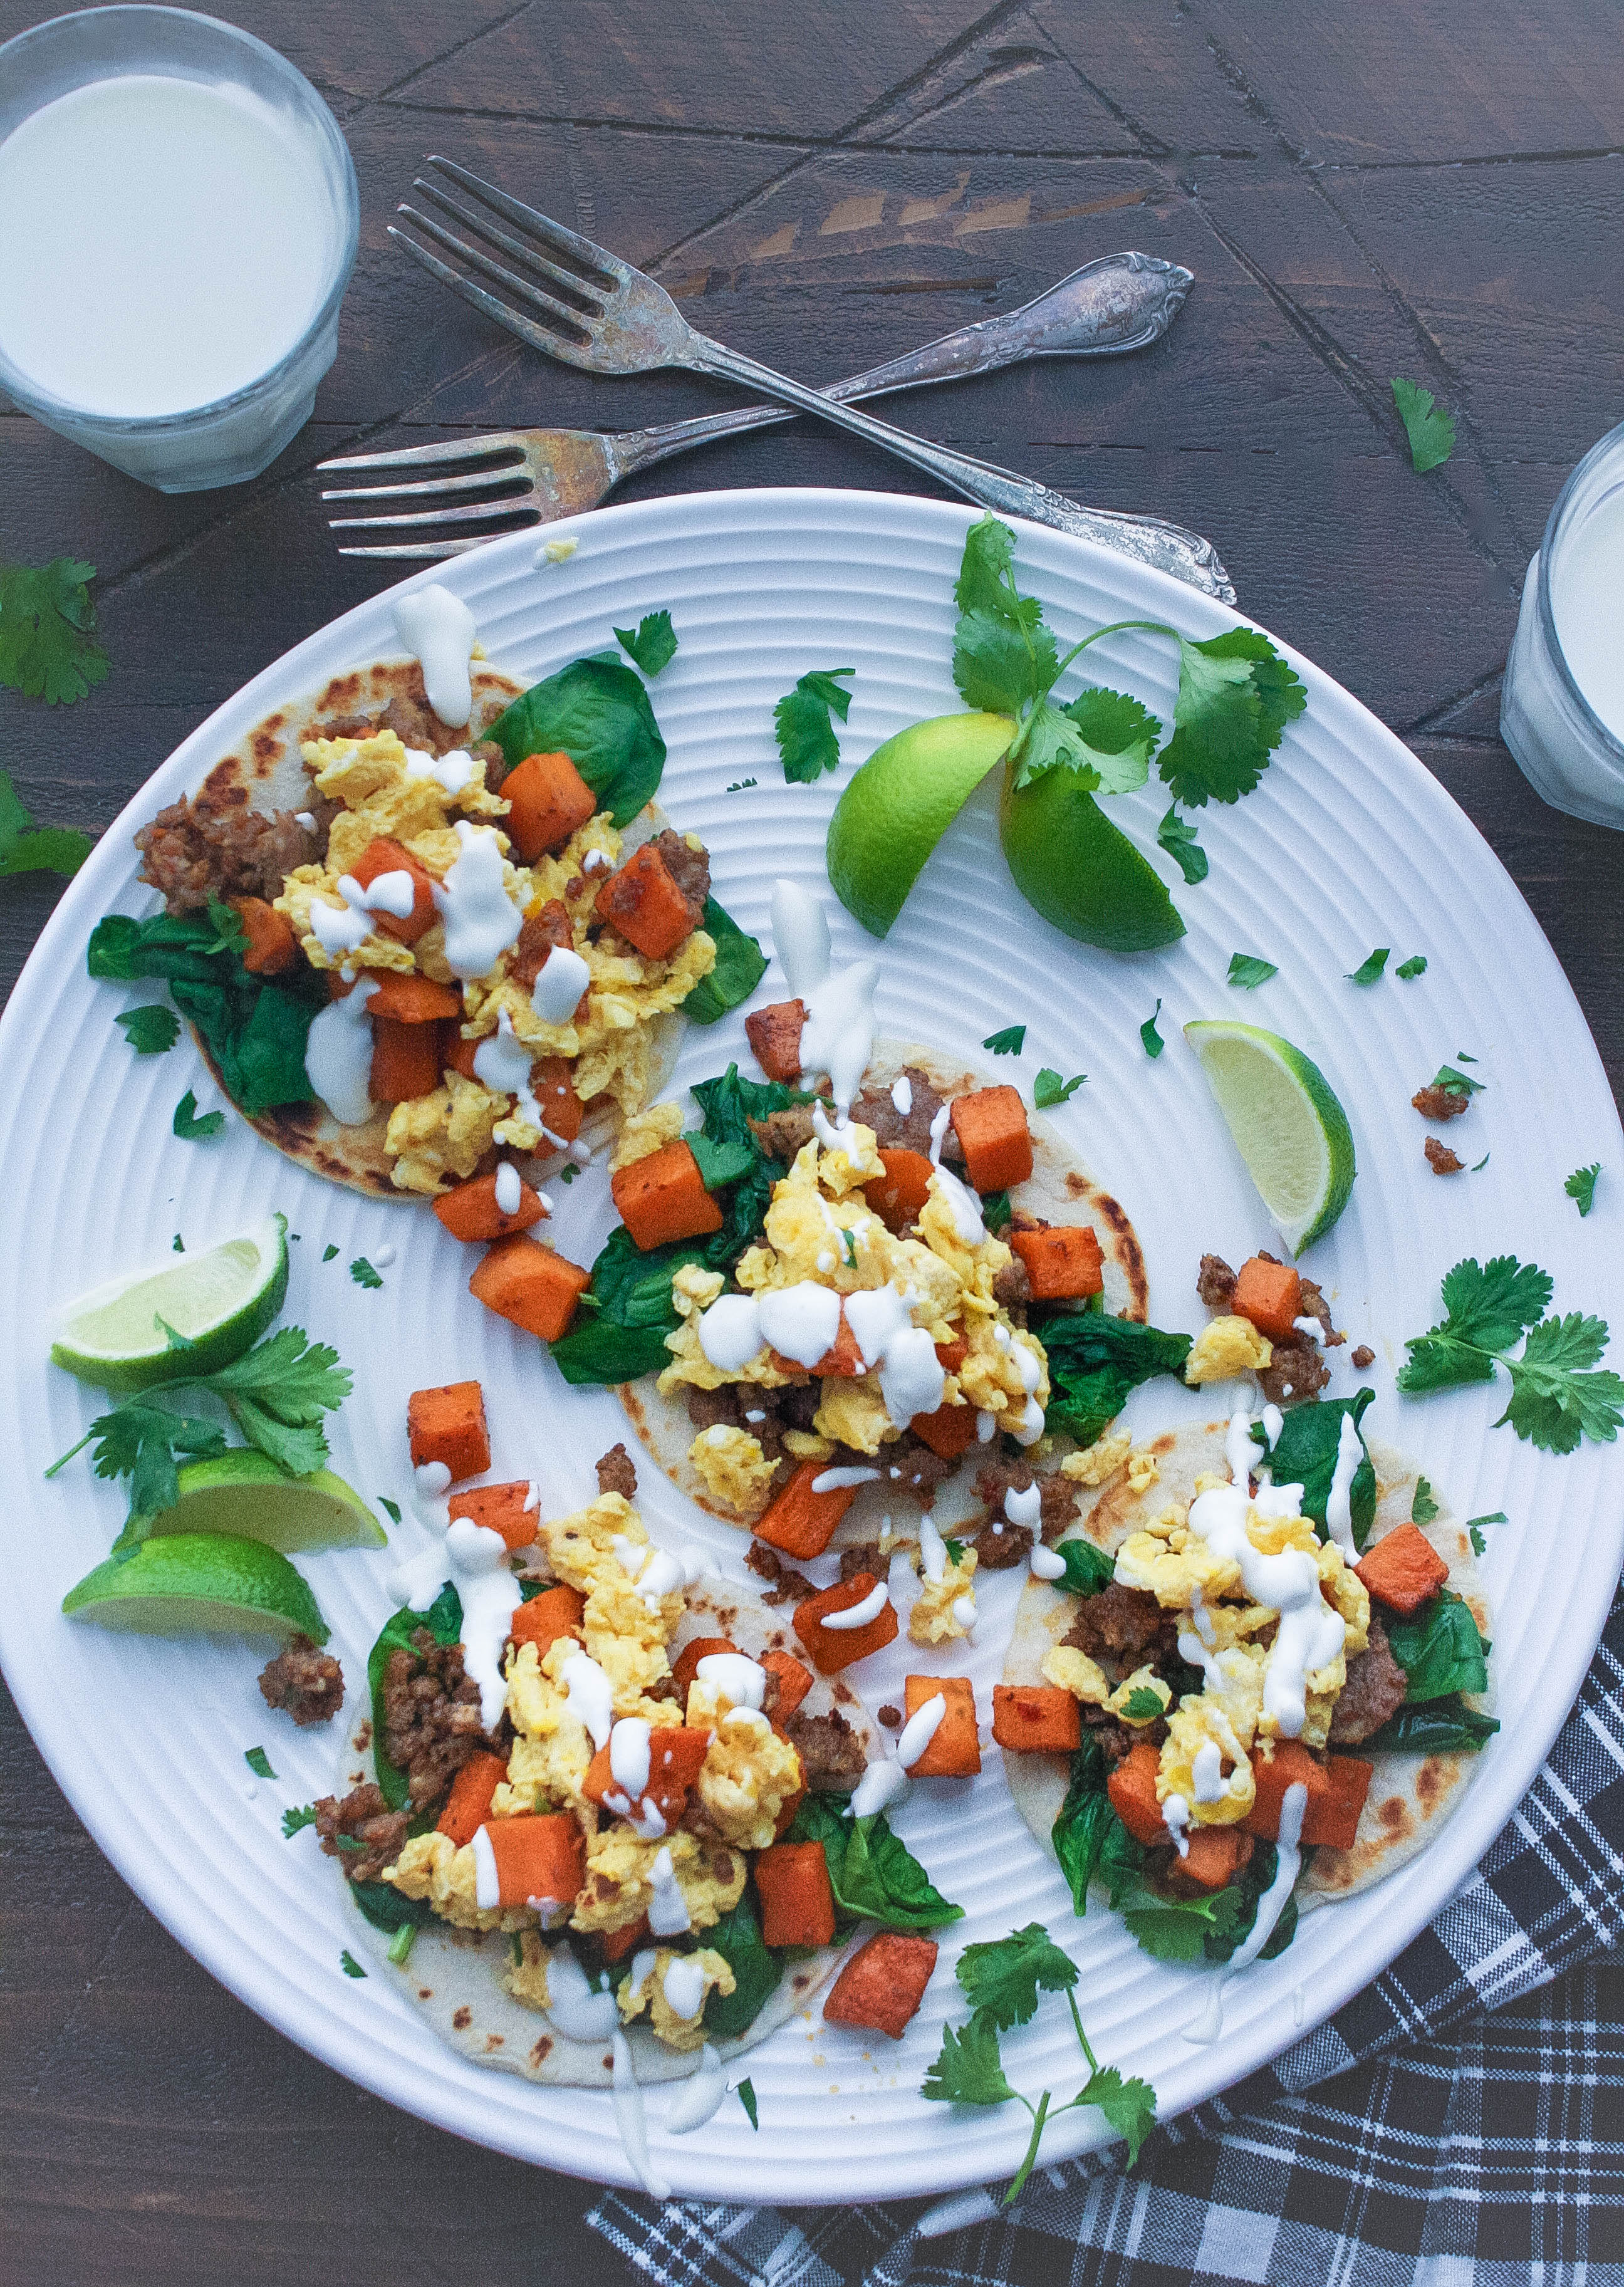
column 1581, row 1186
column 1557, row 1395
column 1427, row 425
column 651, row 645
column 26, row 848
column 48, row 647
column 1003, row 1984
column 802, row 724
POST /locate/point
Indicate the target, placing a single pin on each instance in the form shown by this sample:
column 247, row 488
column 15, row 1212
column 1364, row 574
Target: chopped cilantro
column 1049, row 1088
column 568, row 1172
column 179, row 1243
column 189, row 1126
column 26, row 848
column 1152, row 1040
column 1176, row 836
column 349, row 1964
column 293, row 1821
column 745, row 2091
column 1475, row 1525
column 1009, row 1043
column 329, row 1253
column 48, row 648
column 1371, row 967
column 401, row 1944
column 995, row 1210
column 392, row 1509
column 150, row 1029
column 1423, row 1509
column 654, row 644
column 1581, row 1186
column 739, row 786
column 1142, row 1704
column 955, row 1551
column 1248, row 969
column 256, row 1760
column 1462, row 1057
column 1457, row 1083
column 1003, row 1981
column 1555, row 1395
column 1416, row 966
column 803, row 725
column 848, row 1247
column 1430, row 428
column 1478, row 1165
column 363, row 1274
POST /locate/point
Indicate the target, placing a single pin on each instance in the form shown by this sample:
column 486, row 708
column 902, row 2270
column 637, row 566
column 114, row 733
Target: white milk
column 167, row 242
column 1586, row 596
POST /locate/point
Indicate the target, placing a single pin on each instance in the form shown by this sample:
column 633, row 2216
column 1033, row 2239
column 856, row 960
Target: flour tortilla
column 1410, row 1795
column 266, row 772
column 1060, row 1188
column 455, row 1977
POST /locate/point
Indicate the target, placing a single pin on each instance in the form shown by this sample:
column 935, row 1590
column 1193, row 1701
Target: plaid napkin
column 1440, row 2144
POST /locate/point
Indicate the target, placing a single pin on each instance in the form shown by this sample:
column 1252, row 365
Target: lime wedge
column 222, row 1299
column 899, row 805
column 189, row 1583
column 244, row 1492
column 1286, row 1122
column 1080, row 871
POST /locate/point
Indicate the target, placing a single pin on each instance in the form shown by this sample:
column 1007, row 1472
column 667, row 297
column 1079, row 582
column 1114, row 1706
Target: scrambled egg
column 750, row 1774
column 649, row 1993
column 1099, row 1461
column 1225, row 1348
column 932, row 1621
column 1142, row 1472
column 731, row 1464
column 647, row 1132
column 618, row 1888
column 441, row 1137
column 432, row 1866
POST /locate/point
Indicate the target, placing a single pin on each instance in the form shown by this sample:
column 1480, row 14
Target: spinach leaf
column 756, row 1971
column 596, row 711
column 1438, row 1727
column 874, row 1876
column 719, row 1164
column 1094, row 1361
column 444, row 1622
column 1083, row 1822
column 740, row 966
column 1088, row 1568
column 1305, row 1455
column 389, row 1909
column 1439, row 1648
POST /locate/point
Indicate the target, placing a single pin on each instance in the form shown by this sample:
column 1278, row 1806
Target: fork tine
column 479, row 447
column 607, row 267
column 424, row 550
column 469, row 513
column 437, row 488
column 590, row 297
column 538, row 337
column 578, row 322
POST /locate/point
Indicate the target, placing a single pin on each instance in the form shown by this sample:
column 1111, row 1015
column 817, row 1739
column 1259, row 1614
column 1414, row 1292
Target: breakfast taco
column 1251, row 1678
column 581, row 1813
column 406, row 938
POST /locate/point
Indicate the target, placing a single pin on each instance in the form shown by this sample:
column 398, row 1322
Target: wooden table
column 1402, row 189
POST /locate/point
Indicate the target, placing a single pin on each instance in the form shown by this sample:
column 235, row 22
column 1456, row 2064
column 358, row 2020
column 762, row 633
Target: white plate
column 1348, row 845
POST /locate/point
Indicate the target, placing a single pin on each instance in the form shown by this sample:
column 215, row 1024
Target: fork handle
column 1146, row 539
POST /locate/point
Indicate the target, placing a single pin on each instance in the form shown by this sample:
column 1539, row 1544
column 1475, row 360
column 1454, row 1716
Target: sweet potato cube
column 406, row 1061
column 676, row 1755
column 530, row 1286
column 793, row 1682
column 413, row 1000
column 955, row 1751
column 383, row 855
column 950, row 1431
column 1213, row 1857
column 512, row 1510
column 991, row 1125
column 459, row 1054
column 541, row 1858
column 774, row 1035
column 662, row 1198
column 468, row 1804
column 618, row 1943
column 552, row 1085
column 1335, row 1820
column 560, row 1612
column 1063, row 1262
column 1132, row 1790
column 272, row 946
column 449, row 1425
column 1403, row 1569
column 881, row 1986
column 799, row 1521
column 899, row 1196
column 643, row 905
column 1035, row 1719
column 833, row 1649
column 471, row 1211
column 547, row 799
column 1270, row 1294
column 953, row 1354
column 797, row 1904
column 1291, row 1765
column 687, row 1659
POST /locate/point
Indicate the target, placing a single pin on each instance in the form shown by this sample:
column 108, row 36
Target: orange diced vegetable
column 1403, row 1569
column 842, row 1361
column 383, row 855
column 531, row 1285
column 881, row 1986
column 899, row 1196
column 449, row 1425
column 554, row 1090
column 459, row 1054
column 1063, row 1261
column 1216, row 1855
column 471, row 1211
column 950, row 1431
column 793, row 1682
column 689, row 1658
column 412, row 1000
column 556, row 1612
column 797, row 1904
column 1334, row 1821
column 1291, row 1765
column 991, row 1124
column 799, row 1521
column 1132, row 1790
column 405, row 1061
column 643, row 905
column 833, row 1649
column 955, row 1751
column 541, row 1859
column 663, row 1198
column 1035, row 1719
column 953, row 1354
column 272, row 946
column 774, row 1035
column 547, row 799
column 1269, row 1293
column 468, row 1804
column 508, row 1509
column 675, row 1756
column 618, row 1943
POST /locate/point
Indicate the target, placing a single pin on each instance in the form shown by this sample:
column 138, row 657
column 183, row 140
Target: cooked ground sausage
column 1216, row 1283
column 1012, row 1285
column 1440, row 1103
column 909, row 1466
column 1058, row 1494
column 905, row 1131
column 364, row 1817
column 1375, row 1689
column 540, row 936
column 431, row 1715
column 1126, row 1623
column 192, row 855
column 1363, row 1358
column 782, row 1134
column 304, row 1682
column 1441, row 1159
column 787, row 1586
column 830, row 1748
column 1295, row 1371
column 689, row 868
column 617, row 1473
column 999, row 1545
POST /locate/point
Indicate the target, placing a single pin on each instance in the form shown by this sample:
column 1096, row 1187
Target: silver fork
column 597, row 312
column 1121, row 302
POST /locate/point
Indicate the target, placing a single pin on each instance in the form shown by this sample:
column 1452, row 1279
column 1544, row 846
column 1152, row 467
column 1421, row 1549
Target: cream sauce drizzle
column 437, row 628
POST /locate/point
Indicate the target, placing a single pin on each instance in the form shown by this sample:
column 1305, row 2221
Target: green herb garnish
column 802, row 724
column 1009, row 1043
column 349, row 1964
column 1177, row 838
column 1248, row 970
column 1416, row 966
column 189, row 1126
column 1049, row 1088
column 150, row 1029
column 329, row 1254
column 653, row 644
column 1423, row 1509
column 1556, row 1397
column 1428, row 428
column 391, row 1508
column 48, row 647
column 745, row 2091
column 363, row 1274
column 401, row 1944
column 26, row 848
column 1581, row 1186
column 1152, row 1040
column 256, row 1760
column 1371, row 967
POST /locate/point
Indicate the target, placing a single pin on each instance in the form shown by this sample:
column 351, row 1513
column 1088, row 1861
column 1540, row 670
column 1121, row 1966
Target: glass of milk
column 179, row 220
column 1562, row 702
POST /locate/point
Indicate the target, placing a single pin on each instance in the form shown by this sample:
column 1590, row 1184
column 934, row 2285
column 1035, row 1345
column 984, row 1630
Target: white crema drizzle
column 338, row 1056
column 437, row 628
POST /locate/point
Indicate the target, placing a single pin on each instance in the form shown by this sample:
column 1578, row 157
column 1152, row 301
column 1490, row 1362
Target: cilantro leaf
column 653, row 646
column 1119, row 735
column 1474, row 1527
column 803, row 726
column 363, row 1274
column 1236, row 695
column 47, row 631
column 294, row 1820
column 1004, row 659
column 391, row 1508
column 740, row 966
column 1004, row 1980
column 1581, row 1186
column 1554, row 1401
column 349, row 1964
column 1087, row 1567
column 1490, row 1306
column 1178, row 1929
column 150, row 1029
column 1152, row 1040
column 1129, row 2105
column 1371, row 967
column 1477, row 1541
column 1430, row 428
column 969, row 2070
column 1007, row 1043
column 1248, row 969
column 1176, row 836
column 1416, row 966
column 1142, row 1706
column 1049, row 1088
column 277, row 1393
column 1456, row 1083
column 329, row 1253
column 139, row 1440
column 995, row 1210
column 745, row 2091
column 1423, row 1507
column 189, row 1126
column 256, row 1760
column 28, row 849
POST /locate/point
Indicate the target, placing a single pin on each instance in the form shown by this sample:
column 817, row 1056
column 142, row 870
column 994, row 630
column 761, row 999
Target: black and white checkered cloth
column 1460, row 2124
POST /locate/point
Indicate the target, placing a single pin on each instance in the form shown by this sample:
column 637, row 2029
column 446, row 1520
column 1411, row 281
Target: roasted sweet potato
column 383, row 855
column 1291, row 1765
column 530, row 1286
column 412, row 1000
column 774, row 1035
column 406, row 1061
column 797, row 1904
column 899, row 1196
column 1035, row 1719
column 689, row 1658
column 675, row 1756
column 618, row 1943
column 539, row 1857
column 794, row 1681
column 950, row 1431
column 547, row 799
column 991, row 1125
column 1213, row 1857
column 471, row 1211
column 1063, row 1262
column 799, row 1521
column 1334, row 1821
column 881, row 1986
column 468, row 1804
column 556, row 1612
column 833, row 1649
column 955, row 1751
column 511, row 1509
column 449, row 1425
column 662, row 1198
column 1403, row 1569
column 643, row 905
column 1270, row 1294
column 272, row 946
column 1132, row 1790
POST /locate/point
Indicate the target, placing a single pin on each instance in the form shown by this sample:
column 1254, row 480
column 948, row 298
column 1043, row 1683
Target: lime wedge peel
column 1286, row 1121
column 199, row 1583
column 221, row 1299
column 243, row 1493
